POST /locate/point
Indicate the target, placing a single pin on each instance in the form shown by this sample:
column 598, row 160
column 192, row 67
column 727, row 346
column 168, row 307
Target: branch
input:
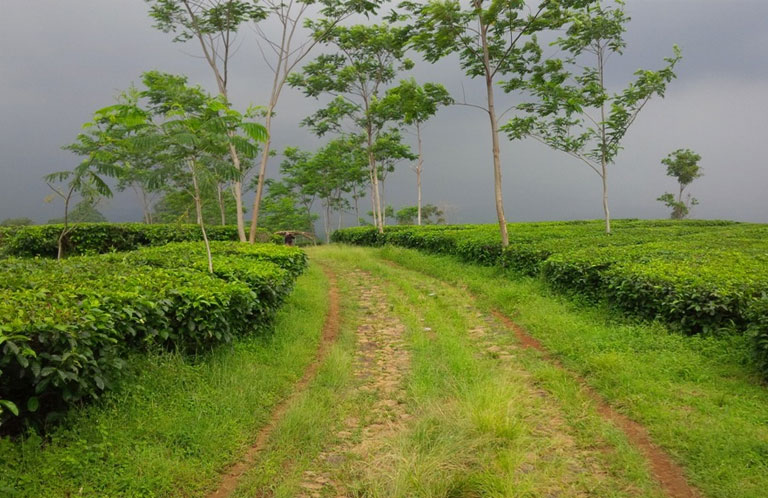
column 570, row 153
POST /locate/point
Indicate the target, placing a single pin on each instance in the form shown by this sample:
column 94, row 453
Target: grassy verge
column 698, row 396
column 177, row 423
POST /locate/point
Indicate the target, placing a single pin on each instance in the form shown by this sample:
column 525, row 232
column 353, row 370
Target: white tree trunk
column 419, row 166
column 261, row 178
column 498, row 196
column 199, row 211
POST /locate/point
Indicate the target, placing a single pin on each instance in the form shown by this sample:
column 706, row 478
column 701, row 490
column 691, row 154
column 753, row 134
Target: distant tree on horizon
column 431, row 215
column 84, row 211
column 16, row 222
column 682, row 164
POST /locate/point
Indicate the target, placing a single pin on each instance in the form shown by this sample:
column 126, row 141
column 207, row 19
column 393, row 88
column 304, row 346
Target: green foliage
column 702, row 276
column 84, row 212
column 281, row 209
column 573, row 109
column 100, row 238
column 682, row 164
column 66, row 327
column 177, row 207
column 16, row 222
column 216, row 19
column 431, row 215
column 414, row 104
column 367, row 58
column 174, row 421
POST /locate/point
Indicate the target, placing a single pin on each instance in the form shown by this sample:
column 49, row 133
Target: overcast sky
column 61, row 60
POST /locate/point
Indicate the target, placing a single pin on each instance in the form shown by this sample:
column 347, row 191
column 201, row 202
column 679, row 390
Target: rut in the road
column 231, row 479
column 380, row 365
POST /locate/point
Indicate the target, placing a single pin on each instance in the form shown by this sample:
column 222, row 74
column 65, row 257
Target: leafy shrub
column 66, row 327
column 99, row 238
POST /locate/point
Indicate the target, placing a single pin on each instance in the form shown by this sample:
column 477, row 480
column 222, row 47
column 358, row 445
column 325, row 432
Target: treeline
column 176, row 145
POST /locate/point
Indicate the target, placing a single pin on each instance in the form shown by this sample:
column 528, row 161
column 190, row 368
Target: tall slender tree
column 494, row 40
column 575, row 111
column 214, row 24
column 414, row 105
column 282, row 54
column 365, row 60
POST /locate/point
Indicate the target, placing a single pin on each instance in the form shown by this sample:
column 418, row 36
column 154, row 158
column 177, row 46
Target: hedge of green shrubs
column 99, row 238
column 700, row 276
column 67, row 327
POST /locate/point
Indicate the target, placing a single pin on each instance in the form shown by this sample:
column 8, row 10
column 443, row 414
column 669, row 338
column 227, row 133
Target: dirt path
column 330, row 331
column 360, row 453
column 381, row 362
column 669, row 474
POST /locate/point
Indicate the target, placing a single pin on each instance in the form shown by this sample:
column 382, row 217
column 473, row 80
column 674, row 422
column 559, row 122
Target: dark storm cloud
column 59, row 61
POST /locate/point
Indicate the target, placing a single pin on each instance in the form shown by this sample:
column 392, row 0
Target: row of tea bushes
column 700, row 276
column 99, row 238
column 66, row 328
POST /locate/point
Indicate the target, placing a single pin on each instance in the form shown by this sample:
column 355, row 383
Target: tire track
column 330, row 331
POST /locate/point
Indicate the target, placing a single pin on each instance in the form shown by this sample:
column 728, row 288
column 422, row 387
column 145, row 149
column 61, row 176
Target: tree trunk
column 237, row 189
column 142, row 195
column 606, row 212
column 494, row 139
column 357, row 210
column 262, row 175
column 419, row 165
column 327, row 222
column 383, row 205
column 222, row 210
column 60, row 242
column 603, row 142
column 199, row 211
column 376, row 199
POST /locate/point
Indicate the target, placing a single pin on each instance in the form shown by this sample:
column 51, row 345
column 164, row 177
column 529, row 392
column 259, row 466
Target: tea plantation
column 699, row 276
column 67, row 327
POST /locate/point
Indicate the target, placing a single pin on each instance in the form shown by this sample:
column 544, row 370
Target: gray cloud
column 59, row 61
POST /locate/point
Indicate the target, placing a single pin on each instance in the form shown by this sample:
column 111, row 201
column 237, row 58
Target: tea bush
column 99, row 238
column 66, row 327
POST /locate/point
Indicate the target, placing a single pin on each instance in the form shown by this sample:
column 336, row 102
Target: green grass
column 477, row 427
column 698, row 396
column 178, row 422
column 313, row 418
